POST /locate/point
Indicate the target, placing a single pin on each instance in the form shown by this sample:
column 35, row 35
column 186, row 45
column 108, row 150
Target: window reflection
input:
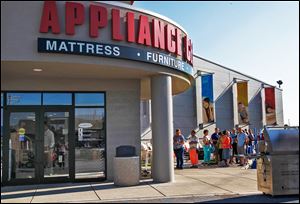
column 90, row 143
column 57, row 99
column 56, row 144
column 21, row 145
column 89, row 99
column 24, row 98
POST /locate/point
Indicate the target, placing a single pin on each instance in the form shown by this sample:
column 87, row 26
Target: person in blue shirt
column 214, row 140
column 241, row 144
column 178, row 146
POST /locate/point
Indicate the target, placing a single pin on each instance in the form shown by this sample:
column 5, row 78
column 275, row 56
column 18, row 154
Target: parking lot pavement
column 230, row 184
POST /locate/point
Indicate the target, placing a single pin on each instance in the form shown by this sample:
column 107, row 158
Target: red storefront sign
column 156, row 34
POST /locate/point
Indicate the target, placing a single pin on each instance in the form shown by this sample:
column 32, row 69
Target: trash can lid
column 125, row 151
column 282, row 139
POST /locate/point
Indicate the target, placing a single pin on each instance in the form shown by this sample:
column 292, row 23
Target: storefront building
column 72, row 78
column 79, row 79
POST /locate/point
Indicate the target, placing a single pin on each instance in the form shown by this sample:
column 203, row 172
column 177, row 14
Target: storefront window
column 57, row 99
column 24, row 98
column 90, row 142
column 89, row 99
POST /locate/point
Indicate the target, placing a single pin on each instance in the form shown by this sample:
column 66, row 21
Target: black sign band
column 48, row 45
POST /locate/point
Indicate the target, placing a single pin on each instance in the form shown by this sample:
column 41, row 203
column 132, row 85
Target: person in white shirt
column 49, row 143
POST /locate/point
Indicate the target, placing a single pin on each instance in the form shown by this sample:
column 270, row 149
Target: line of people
column 223, row 148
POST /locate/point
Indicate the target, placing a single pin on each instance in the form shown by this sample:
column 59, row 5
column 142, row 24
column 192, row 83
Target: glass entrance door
column 53, row 137
column 56, row 144
column 22, row 145
column 38, row 145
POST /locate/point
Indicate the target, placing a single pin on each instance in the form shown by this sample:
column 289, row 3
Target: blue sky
column 260, row 39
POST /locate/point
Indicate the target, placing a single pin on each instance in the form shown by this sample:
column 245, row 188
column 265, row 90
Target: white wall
column 186, row 106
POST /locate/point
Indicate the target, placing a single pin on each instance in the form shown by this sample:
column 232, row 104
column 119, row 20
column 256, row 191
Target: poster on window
column 270, row 106
column 207, row 99
column 242, row 99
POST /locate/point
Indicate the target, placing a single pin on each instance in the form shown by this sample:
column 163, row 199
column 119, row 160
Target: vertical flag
column 270, row 106
column 207, row 99
column 242, row 99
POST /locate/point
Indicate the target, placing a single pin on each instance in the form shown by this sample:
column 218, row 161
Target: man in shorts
column 241, row 142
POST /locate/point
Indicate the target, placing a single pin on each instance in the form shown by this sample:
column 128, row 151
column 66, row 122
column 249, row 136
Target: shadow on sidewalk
column 12, row 192
column 257, row 199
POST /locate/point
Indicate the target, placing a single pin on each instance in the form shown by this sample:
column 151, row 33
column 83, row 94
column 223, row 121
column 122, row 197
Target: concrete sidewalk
column 192, row 185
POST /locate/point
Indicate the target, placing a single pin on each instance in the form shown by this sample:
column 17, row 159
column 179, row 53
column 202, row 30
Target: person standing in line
column 247, row 142
column 250, row 142
column 242, row 140
column 178, row 142
column 220, row 148
column 193, row 143
column 214, row 140
column 226, row 145
column 234, row 146
column 206, row 147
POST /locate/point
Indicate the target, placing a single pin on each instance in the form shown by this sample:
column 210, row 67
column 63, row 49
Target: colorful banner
column 242, row 99
column 207, row 99
column 270, row 106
